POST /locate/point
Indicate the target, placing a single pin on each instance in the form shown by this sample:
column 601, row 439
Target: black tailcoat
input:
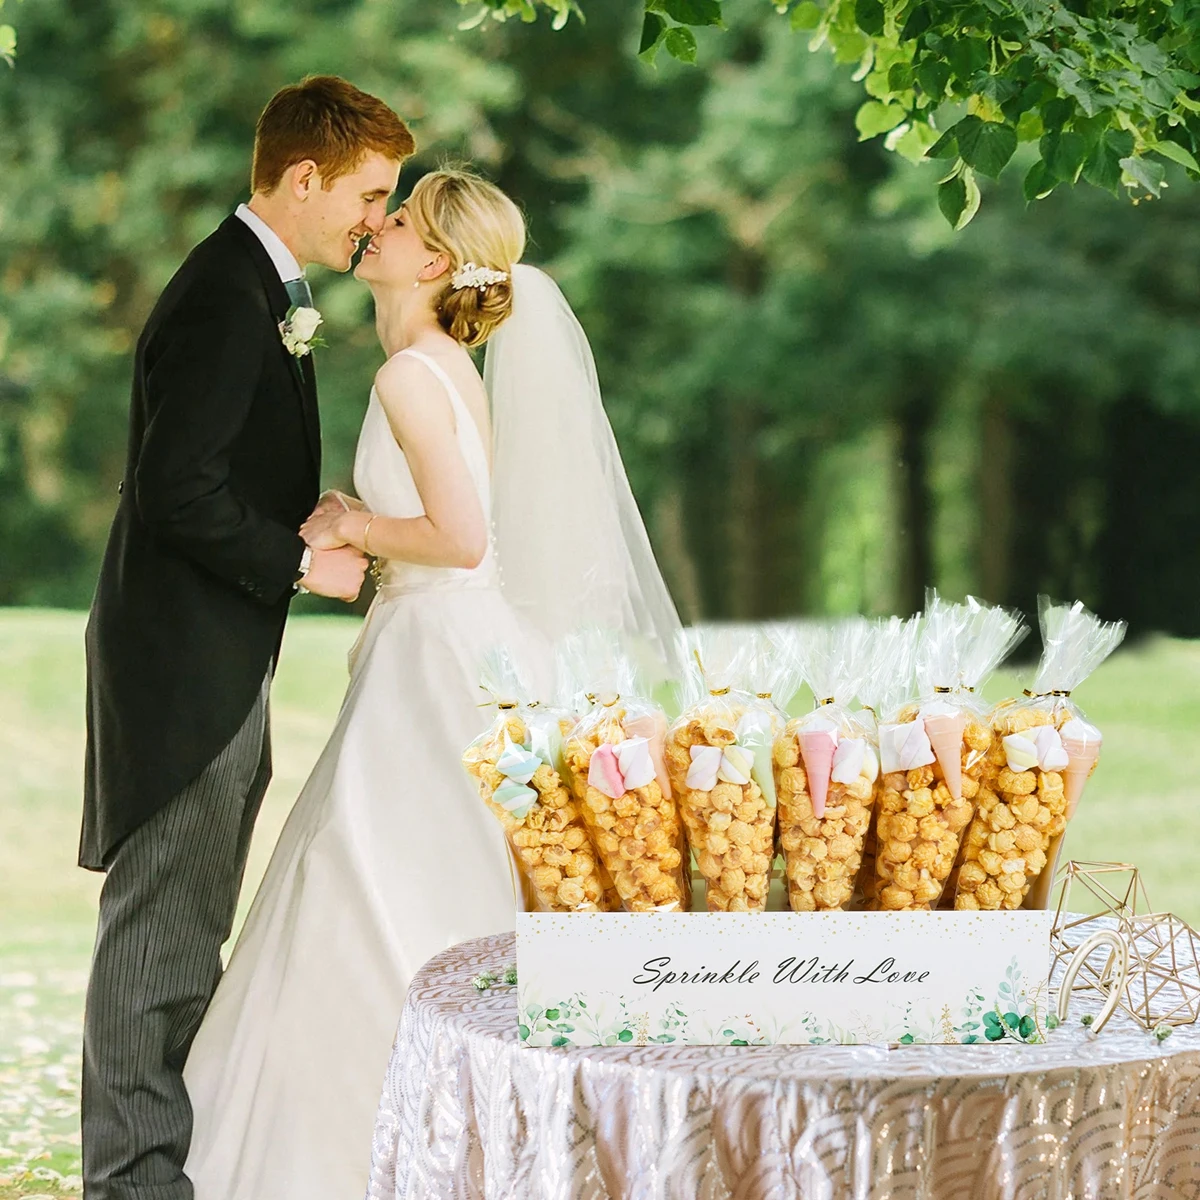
column 223, row 468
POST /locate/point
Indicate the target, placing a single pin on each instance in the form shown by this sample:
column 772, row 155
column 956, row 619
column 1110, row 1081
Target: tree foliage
column 825, row 398
column 1105, row 91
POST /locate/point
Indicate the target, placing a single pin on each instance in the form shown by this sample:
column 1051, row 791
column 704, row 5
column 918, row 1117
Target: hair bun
column 471, row 314
column 471, row 222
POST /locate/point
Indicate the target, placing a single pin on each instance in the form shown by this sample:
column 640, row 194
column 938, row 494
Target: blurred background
column 825, row 398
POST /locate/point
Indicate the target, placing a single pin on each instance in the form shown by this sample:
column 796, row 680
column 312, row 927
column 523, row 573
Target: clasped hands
column 338, row 567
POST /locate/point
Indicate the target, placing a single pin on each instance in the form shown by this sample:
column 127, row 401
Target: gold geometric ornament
column 1162, row 984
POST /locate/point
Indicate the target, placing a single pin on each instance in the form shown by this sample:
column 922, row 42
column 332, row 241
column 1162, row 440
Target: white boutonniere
column 299, row 330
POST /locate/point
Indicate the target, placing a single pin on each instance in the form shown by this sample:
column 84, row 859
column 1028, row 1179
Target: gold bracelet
column 367, row 534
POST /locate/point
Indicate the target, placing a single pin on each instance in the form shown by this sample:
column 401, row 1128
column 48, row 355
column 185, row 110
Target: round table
column 467, row 1113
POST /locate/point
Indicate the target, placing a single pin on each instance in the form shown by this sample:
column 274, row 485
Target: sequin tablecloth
column 469, row 1114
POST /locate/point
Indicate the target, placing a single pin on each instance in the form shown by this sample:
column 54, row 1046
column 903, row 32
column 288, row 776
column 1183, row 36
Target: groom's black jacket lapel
column 302, row 368
column 222, row 468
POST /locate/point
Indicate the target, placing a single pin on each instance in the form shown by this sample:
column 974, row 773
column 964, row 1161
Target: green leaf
column 967, row 57
column 933, row 75
column 654, row 29
column 552, row 1014
column 1026, row 1026
column 915, row 24
column 680, row 43
column 806, row 15
column 560, row 1041
column 694, row 12
column 875, row 117
column 1030, row 127
column 869, row 16
column 952, row 199
column 523, row 1030
column 1176, row 153
column 901, row 76
column 1056, row 113
column 916, row 141
column 986, row 145
column 1063, row 153
column 906, row 1039
column 946, row 146
column 1145, row 174
column 626, row 1035
column 1103, row 166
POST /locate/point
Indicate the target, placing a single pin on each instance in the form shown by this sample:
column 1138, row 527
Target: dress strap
column 462, row 414
column 461, row 411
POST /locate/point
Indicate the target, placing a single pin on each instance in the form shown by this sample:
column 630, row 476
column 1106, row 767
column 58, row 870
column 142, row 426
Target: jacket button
column 121, row 487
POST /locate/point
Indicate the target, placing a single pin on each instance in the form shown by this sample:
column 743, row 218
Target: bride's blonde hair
column 469, row 220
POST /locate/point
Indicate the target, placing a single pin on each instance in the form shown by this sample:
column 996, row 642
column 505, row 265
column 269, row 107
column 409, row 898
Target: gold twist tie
column 719, row 691
column 506, row 704
column 822, row 703
column 763, row 695
column 871, row 710
column 942, row 691
column 1042, row 695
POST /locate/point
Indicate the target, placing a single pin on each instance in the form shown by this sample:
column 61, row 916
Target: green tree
column 1106, row 91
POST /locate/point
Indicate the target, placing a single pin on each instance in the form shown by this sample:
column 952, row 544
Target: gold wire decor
column 1161, row 985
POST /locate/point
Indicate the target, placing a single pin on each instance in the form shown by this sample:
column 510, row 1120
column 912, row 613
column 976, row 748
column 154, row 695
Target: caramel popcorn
column 730, row 823
column 636, row 832
column 920, row 823
column 1043, row 752
column 549, row 839
column 1008, row 843
column 822, row 854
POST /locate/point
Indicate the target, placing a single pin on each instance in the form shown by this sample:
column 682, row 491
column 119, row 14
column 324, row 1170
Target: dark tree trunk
column 1149, row 553
column 995, row 501
column 916, row 559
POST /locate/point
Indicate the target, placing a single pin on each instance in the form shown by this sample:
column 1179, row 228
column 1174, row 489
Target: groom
column 202, row 561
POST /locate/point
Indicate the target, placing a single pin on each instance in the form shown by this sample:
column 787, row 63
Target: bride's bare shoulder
column 407, row 387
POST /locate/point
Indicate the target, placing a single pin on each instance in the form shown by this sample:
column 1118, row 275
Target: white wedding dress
column 387, row 858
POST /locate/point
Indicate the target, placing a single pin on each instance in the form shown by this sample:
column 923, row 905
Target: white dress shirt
column 284, row 260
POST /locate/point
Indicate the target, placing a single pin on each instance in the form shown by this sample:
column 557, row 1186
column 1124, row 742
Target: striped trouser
column 167, row 906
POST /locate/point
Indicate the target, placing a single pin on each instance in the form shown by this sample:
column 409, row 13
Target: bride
column 388, row 855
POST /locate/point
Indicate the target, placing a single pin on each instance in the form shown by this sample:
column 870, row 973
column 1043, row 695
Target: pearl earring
column 416, row 283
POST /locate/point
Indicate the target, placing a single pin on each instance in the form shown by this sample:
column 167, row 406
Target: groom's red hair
column 330, row 121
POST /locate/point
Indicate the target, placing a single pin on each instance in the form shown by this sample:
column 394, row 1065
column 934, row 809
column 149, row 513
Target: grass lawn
column 1140, row 808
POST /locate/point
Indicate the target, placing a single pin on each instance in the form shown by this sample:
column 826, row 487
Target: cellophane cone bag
column 1043, row 751
column 934, row 757
column 616, row 760
column 885, row 687
column 714, row 755
column 516, row 765
column 826, row 767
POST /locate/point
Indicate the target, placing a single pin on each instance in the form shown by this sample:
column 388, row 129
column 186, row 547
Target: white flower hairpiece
column 470, row 275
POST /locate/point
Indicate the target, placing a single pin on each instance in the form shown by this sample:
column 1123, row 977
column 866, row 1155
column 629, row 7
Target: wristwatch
column 305, row 563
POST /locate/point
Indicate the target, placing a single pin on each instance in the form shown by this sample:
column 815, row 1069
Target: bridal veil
column 569, row 538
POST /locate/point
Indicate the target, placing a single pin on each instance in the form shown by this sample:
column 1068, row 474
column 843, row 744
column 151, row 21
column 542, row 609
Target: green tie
column 299, row 293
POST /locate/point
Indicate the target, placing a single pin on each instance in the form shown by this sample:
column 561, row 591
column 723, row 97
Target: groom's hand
column 337, row 574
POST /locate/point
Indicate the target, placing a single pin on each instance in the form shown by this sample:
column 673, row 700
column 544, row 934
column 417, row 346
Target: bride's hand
column 333, row 501
column 323, row 530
